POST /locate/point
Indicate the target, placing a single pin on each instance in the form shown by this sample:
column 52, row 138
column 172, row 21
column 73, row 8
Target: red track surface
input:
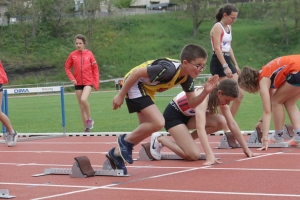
column 272, row 175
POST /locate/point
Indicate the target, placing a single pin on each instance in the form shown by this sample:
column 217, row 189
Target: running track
column 272, row 175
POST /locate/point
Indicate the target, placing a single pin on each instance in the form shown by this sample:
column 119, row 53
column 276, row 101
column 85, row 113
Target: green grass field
column 42, row 114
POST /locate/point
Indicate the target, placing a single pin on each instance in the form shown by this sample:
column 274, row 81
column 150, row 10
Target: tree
column 122, row 3
column 21, row 9
column 53, row 14
column 296, row 13
column 282, row 14
column 91, row 6
column 198, row 10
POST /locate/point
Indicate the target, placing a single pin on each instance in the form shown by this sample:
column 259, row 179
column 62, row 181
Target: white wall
column 148, row 2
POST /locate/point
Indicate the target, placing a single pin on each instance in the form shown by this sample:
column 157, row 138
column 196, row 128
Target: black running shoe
column 125, row 149
column 118, row 162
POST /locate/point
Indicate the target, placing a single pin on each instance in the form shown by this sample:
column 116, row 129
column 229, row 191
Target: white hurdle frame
column 12, row 91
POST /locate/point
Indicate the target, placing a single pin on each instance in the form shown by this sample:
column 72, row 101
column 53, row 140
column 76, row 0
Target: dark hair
column 81, row 37
column 248, row 79
column 228, row 87
column 228, row 9
column 191, row 52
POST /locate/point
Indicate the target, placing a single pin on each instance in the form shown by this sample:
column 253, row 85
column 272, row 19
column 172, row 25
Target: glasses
column 199, row 67
column 233, row 18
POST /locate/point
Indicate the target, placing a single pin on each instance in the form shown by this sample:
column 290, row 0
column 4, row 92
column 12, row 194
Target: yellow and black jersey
column 163, row 74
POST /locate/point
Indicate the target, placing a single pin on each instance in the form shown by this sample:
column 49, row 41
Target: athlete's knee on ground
column 192, row 156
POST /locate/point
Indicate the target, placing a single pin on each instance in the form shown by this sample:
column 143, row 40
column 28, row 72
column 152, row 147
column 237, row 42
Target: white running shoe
column 276, row 141
column 155, row 146
column 12, row 139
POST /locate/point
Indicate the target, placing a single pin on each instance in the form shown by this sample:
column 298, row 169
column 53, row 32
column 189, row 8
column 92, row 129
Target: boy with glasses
column 140, row 85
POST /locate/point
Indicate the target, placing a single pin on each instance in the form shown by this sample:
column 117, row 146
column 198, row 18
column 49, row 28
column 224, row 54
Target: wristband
column 225, row 65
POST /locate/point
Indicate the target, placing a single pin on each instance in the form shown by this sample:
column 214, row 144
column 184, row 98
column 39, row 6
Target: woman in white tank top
column 223, row 62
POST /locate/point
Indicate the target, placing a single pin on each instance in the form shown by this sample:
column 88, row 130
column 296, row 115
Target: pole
column 4, row 108
column 63, row 115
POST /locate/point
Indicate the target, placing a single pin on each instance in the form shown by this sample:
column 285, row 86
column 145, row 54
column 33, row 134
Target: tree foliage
column 122, row 3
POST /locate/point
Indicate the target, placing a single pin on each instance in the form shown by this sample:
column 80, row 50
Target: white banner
column 33, row 90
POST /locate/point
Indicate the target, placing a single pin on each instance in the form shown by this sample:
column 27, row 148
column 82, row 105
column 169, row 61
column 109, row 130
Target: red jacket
column 3, row 76
column 86, row 70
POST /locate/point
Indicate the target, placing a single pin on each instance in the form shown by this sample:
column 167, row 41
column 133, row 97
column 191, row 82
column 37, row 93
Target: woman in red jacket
column 86, row 75
column 12, row 135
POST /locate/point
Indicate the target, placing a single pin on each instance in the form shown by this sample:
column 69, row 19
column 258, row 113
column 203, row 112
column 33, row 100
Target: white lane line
column 60, row 143
column 74, row 192
column 256, row 169
column 160, row 167
column 45, row 185
column 178, row 172
column 64, row 194
column 260, row 156
column 135, row 152
column 205, row 192
column 164, row 167
column 89, row 188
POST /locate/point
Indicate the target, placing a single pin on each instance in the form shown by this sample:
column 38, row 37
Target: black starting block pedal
column 82, row 168
column 4, row 194
column 144, row 154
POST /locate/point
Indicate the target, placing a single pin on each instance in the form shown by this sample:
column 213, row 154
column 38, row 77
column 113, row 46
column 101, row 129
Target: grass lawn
column 41, row 114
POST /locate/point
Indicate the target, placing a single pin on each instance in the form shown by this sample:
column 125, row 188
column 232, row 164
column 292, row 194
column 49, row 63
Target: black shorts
column 294, row 79
column 1, row 87
column 173, row 116
column 217, row 68
column 80, row 87
column 138, row 104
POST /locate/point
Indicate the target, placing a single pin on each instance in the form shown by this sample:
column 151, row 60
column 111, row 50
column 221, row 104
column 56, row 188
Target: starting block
column 144, row 154
column 82, row 168
column 4, row 194
column 228, row 140
column 288, row 132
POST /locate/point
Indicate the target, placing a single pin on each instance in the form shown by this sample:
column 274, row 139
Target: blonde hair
column 228, row 87
column 248, row 79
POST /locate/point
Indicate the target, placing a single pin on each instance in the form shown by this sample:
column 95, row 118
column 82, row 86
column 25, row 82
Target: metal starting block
column 82, row 168
column 145, row 154
column 228, row 141
column 4, row 194
column 288, row 132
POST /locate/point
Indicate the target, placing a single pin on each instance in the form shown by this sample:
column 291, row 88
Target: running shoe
column 294, row 143
column 90, row 123
column 276, row 141
column 125, row 149
column 155, row 146
column 12, row 139
column 86, row 130
column 116, row 161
